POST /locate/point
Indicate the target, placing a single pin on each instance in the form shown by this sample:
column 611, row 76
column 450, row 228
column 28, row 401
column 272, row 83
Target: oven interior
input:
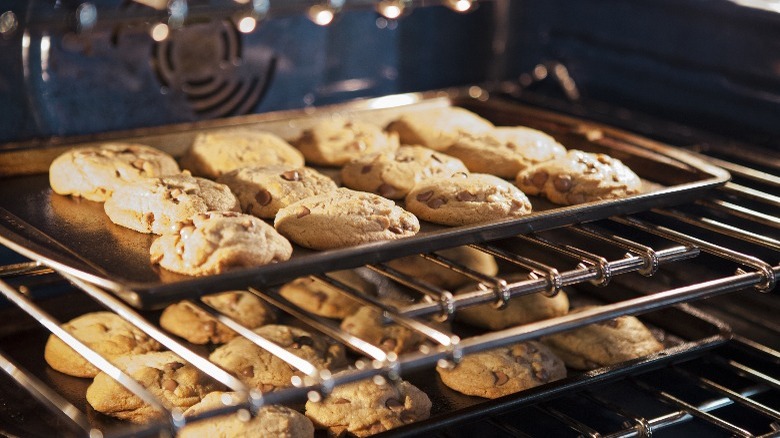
column 654, row 68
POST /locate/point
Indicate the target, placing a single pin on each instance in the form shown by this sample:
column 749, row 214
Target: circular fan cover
column 205, row 62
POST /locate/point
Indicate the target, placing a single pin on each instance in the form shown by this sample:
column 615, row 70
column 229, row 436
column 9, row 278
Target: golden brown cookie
column 466, row 199
column 367, row 325
column 519, row 310
column 392, row 174
column 336, row 141
column 106, row 333
column 193, row 324
column 437, row 128
column 324, row 300
column 215, row 153
column 95, row 172
column 365, row 408
column 605, row 343
column 503, row 371
column 505, row 151
column 442, row 277
column 214, row 242
column 263, row 190
column 270, row 421
column 344, row 218
column 579, row 177
column 262, row 370
column 161, row 205
column 174, row 382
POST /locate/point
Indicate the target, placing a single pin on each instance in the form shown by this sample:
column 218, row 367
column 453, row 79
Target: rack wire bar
column 747, row 172
column 693, row 410
column 89, row 354
column 741, row 212
column 750, row 193
column 641, row 425
column 722, row 228
column 574, row 424
column 588, row 260
column 24, row 268
column 50, row 398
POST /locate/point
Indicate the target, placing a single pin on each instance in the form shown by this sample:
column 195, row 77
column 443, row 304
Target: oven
column 684, row 91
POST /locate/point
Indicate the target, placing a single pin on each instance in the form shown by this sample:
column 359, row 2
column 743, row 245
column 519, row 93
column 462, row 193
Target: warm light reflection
column 247, row 24
column 393, row 101
column 460, row 5
column 159, row 32
column 392, row 9
column 321, row 15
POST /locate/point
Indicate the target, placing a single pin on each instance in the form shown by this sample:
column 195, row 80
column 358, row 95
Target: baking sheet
column 76, row 236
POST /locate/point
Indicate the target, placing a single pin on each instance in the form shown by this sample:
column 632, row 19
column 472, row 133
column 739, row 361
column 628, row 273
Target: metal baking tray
column 685, row 332
column 75, row 235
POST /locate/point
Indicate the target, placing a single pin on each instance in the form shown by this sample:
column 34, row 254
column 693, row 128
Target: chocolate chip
column 542, row 374
column 435, row 157
column 604, row 159
column 386, row 190
column 395, row 230
column 394, row 405
column 539, row 178
column 424, row 196
column 403, row 158
column 263, row 197
column 406, row 417
column 267, row 387
column 388, row 343
column 339, row 401
column 304, row 211
column 367, row 168
column 615, row 177
column 500, row 378
column 172, row 366
column 138, row 164
column 247, row 371
column 291, row 175
column 300, row 341
column 562, row 183
column 210, row 327
column 169, row 385
column 436, row 202
column 609, row 323
column 465, row 196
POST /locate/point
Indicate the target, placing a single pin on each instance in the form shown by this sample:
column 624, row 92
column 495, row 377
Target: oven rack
column 738, row 379
column 542, row 278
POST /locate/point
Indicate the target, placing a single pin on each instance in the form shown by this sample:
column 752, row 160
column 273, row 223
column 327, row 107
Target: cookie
column 579, row 177
column 104, row 332
column 198, row 327
column 214, row 242
column 270, row 421
column 519, row 310
column 505, row 151
column 438, row 128
column 337, row 141
column 466, row 199
column 95, row 172
column 367, row 325
column 504, row 370
column 344, row 218
column 392, row 174
column 262, row 370
column 442, row 277
column 161, row 205
column 262, row 191
column 365, row 408
column 605, row 343
column 325, row 300
column 215, row 153
column 175, row 383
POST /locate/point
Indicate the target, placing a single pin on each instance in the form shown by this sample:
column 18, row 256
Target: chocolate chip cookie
column 214, row 242
column 161, row 205
column 215, row 153
column 367, row 325
column 344, row 218
column 442, row 277
column 193, row 324
column 262, row 191
column 262, row 370
column 174, row 382
column 336, row 141
column 365, row 408
column 270, row 421
column 579, row 177
column 106, row 333
column 392, row 174
column 438, row 128
column 324, row 300
column 505, row 151
column 605, row 343
column 466, row 199
column 503, row 371
column 95, row 172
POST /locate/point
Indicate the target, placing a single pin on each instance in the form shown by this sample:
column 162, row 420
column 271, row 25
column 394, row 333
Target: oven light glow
column 159, row 32
column 393, row 101
column 460, row 5
column 393, row 9
column 45, row 46
column 321, row 15
column 392, row 12
column 247, row 24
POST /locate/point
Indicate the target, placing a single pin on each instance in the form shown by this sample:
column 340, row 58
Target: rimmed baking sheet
column 76, row 236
